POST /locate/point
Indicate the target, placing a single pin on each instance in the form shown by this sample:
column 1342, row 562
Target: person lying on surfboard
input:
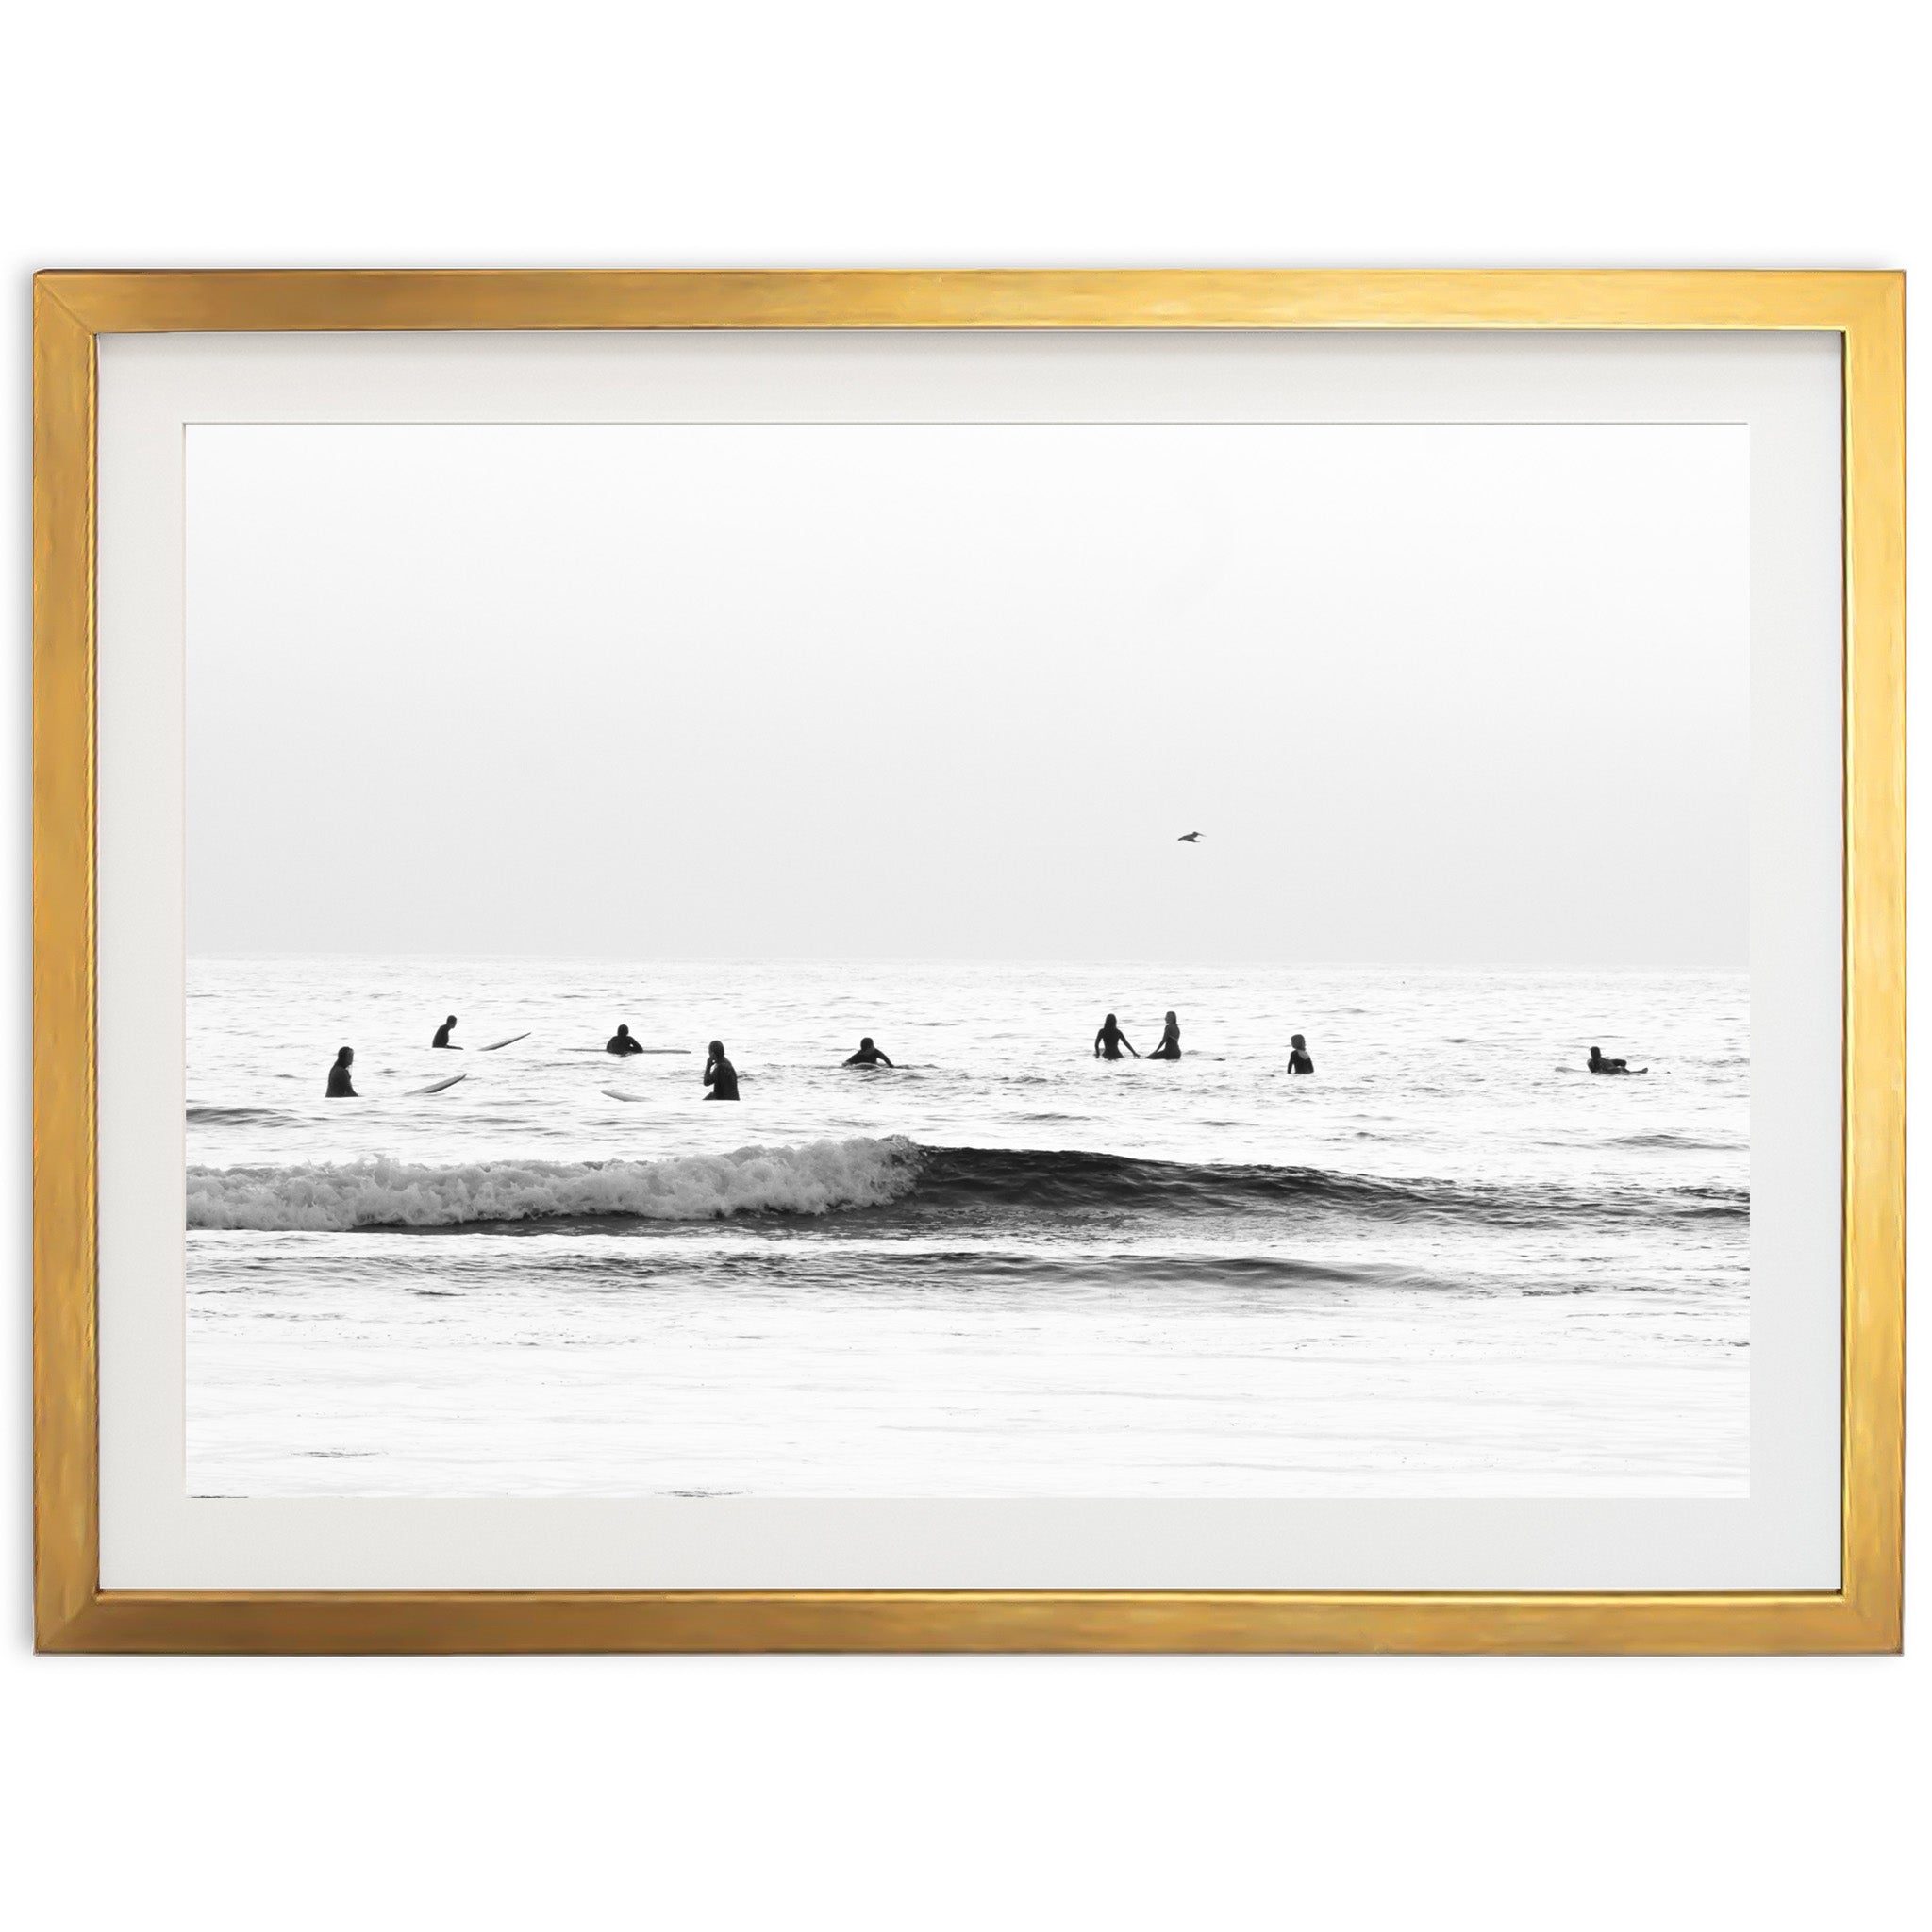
column 620, row 1041
column 868, row 1056
column 1599, row 1065
column 720, row 1076
column 442, row 1038
column 339, row 1086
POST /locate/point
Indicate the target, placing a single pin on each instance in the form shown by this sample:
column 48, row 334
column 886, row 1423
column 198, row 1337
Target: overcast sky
column 1430, row 695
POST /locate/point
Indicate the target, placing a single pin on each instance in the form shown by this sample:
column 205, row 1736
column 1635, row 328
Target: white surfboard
column 616, row 1095
column 510, row 1042
column 437, row 1085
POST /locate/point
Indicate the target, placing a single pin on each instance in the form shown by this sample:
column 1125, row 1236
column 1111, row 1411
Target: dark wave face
column 994, row 1182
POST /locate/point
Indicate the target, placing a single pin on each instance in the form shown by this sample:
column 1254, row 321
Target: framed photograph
column 982, row 962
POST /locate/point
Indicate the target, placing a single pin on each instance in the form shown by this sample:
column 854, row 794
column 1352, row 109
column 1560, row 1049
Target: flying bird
column 1188, row 839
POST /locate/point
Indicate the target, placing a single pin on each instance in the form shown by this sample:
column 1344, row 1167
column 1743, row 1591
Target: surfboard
column 437, row 1085
column 605, row 1050
column 616, row 1095
column 510, row 1042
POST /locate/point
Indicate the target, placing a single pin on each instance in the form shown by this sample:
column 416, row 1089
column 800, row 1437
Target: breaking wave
column 700, row 1187
column 826, row 1177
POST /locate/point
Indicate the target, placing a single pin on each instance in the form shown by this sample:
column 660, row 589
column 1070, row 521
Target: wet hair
column 621, row 1027
column 1296, row 1040
column 717, row 1046
column 344, row 1053
column 865, row 1042
column 451, row 1020
column 1170, row 1014
column 1111, row 1021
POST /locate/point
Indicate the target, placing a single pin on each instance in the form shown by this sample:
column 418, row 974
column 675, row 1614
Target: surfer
column 1170, row 1047
column 868, row 1056
column 720, row 1076
column 1599, row 1065
column 1109, row 1040
column 442, row 1038
column 621, row 1043
column 339, row 1086
column 1298, row 1061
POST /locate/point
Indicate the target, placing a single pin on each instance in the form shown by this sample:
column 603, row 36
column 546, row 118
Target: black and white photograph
column 960, row 967
column 968, row 959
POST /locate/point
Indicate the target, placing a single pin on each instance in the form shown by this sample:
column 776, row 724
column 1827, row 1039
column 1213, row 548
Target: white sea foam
column 810, row 1179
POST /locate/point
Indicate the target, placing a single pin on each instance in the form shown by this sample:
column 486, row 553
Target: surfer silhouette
column 1109, row 1040
column 868, row 1056
column 621, row 1043
column 1598, row 1064
column 1170, row 1047
column 720, row 1076
column 1298, row 1061
column 339, row 1086
column 442, row 1038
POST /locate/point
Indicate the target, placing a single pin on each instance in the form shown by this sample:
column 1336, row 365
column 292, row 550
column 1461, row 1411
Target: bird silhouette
column 1188, row 839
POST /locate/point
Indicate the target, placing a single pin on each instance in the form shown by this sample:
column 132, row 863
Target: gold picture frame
column 74, row 1613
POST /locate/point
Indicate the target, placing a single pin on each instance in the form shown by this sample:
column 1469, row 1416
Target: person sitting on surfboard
column 1599, row 1065
column 339, row 1086
column 1170, row 1047
column 868, row 1056
column 620, row 1041
column 1109, row 1040
column 720, row 1076
column 1298, row 1061
column 442, row 1038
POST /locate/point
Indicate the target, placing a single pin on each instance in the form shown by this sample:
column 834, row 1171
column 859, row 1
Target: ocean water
column 1452, row 1262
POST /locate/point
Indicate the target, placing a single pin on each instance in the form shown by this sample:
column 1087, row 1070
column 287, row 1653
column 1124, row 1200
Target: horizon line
column 1354, row 965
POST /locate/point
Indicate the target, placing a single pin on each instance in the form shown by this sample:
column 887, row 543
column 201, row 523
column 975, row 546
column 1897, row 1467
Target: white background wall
column 1350, row 1792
